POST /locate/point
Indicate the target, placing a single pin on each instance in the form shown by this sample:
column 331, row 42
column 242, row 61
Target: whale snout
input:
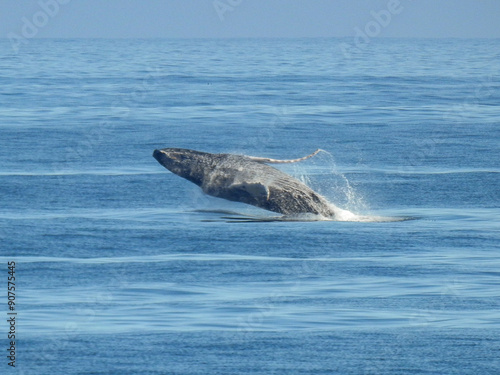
column 158, row 155
column 173, row 159
column 176, row 154
column 164, row 158
column 184, row 163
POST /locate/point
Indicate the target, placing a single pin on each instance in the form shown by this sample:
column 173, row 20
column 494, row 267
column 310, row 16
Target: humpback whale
column 246, row 179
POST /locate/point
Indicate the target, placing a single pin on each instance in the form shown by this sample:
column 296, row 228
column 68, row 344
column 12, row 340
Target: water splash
column 333, row 185
column 336, row 187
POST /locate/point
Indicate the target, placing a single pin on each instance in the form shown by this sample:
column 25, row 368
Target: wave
column 88, row 213
column 341, row 216
column 76, row 172
column 164, row 258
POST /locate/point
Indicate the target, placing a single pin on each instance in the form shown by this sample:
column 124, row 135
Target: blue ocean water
column 125, row 268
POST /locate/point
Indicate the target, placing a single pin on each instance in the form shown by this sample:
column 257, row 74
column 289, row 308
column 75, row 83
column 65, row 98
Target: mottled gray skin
column 240, row 178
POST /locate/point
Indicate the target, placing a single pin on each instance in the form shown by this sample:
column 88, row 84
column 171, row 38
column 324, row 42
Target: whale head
column 189, row 164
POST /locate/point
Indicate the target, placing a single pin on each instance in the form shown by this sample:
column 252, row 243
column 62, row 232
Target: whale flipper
column 257, row 190
column 278, row 161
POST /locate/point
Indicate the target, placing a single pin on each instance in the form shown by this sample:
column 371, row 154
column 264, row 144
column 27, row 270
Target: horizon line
column 257, row 37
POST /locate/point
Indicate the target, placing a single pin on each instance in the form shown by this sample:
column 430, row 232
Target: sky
column 249, row 18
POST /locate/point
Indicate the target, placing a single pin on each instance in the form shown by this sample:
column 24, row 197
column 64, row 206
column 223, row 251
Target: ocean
column 122, row 267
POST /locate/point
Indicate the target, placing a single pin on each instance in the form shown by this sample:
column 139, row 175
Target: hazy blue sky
column 249, row 18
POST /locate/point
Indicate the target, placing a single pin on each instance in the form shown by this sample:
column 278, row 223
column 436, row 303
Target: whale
column 246, row 179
